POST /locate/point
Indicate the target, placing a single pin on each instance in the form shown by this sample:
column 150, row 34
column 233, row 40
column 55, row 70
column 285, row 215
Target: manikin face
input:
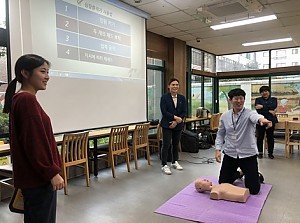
column 202, row 185
column 237, row 103
column 173, row 86
column 265, row 94
column 38, row 79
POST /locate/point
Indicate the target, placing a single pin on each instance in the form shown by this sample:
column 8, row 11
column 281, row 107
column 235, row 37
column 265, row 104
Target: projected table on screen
column 89, row 33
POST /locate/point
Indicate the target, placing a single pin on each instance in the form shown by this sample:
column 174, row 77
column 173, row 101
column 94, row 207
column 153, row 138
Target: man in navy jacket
column 173, row 108
column 266, row 106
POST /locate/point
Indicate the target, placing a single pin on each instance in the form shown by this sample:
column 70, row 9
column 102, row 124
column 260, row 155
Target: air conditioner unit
column 230, row 7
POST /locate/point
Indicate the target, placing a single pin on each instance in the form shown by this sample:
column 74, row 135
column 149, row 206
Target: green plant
column 4, row 122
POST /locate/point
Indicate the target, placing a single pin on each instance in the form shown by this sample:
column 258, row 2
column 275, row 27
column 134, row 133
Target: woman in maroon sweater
column 35, row 158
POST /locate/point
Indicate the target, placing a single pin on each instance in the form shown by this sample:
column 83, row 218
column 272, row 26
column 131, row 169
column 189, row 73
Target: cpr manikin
column 223, row 191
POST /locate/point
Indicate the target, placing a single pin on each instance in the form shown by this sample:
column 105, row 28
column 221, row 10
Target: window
column 280, row 53
column 209, row 62
column 154, row 61
column 286, row 89
column 249, row 85
column 242, row 61
column 3, row 14
column 266, row 66
column 285, row 57
column 3, row 66
column 280, row 64
column 208, row 94
column 196, row 93
column 294, row 51
column 154, row 87
column 197, row 59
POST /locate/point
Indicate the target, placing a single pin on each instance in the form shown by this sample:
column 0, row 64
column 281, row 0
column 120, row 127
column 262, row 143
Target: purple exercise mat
column 192, row 205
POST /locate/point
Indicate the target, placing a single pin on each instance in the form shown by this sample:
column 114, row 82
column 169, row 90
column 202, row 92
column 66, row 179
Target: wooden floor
column 133, row 197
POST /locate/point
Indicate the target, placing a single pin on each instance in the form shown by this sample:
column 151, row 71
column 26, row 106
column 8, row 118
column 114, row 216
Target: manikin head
column 202, row 185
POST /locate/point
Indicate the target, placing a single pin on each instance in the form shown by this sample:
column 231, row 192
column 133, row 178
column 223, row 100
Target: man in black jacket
column 266, row 106
column 173, row 108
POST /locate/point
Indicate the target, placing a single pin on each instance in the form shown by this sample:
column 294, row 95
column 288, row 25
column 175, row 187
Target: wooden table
column 4, row 150
column 188, row 121
column 196, row 119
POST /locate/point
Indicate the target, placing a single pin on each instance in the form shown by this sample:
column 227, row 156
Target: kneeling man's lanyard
column 237, row 121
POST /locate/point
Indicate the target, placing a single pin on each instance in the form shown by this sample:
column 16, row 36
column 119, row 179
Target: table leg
column 95, row 158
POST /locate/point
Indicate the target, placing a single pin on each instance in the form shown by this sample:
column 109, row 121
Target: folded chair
column 74, row 153
column 140, row 142
column 117, row 146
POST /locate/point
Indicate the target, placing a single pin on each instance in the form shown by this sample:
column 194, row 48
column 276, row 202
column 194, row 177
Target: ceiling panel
column 158, row 8
column 179, row 19
column 152, row 23
column 194, row 24
column 286, row 6
column 179, row 34
column 164, row 30
column 175, row 17
column 186, row 4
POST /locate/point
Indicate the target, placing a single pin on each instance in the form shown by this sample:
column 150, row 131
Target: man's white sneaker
column 166, row 170
column 177, row 166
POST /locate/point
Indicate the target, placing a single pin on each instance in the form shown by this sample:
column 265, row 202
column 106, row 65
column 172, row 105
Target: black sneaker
column 260, row 156
column 238, row 175
column 261, row 178
column 271, row 156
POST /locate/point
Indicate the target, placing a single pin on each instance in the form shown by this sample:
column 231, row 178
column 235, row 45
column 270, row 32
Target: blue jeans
column 171, row 140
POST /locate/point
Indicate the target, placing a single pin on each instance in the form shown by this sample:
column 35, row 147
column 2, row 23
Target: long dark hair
column 26, row 62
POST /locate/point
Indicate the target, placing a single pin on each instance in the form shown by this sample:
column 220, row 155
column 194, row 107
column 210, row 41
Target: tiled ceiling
column 180, row 19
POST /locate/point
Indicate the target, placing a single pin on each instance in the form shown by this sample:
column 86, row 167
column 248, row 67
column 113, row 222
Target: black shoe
column 261, row 178
column 238, row 175
column 260, row 156
column 271, row 156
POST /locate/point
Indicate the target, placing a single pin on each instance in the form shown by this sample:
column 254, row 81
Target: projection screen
column 98, row 60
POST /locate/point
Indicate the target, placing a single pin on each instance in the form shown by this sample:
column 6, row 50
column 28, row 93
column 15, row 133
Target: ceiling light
column 244, row 22
column 267, row 42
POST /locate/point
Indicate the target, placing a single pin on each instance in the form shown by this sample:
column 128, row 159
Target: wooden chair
column 279, row 132
column 117, row 146
column 140, row 142
column 214, row 125
column 155, row 139
column 292, row 136
column 214, row 122
column 74, row 153
column 6, row 174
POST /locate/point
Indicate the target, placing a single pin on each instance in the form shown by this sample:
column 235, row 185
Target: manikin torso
column 224, row 191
